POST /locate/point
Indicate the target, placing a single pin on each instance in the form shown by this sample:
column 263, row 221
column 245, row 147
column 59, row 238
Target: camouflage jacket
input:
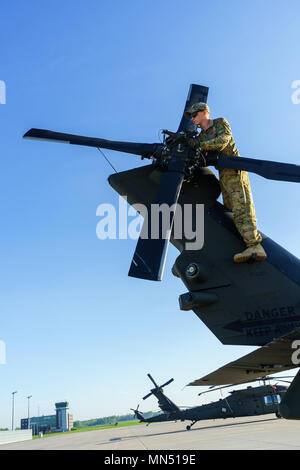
column 218, row 137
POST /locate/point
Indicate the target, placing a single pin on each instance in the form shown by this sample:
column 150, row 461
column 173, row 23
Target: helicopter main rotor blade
column 145, row 150
column 167, row 383
column 267, row 169
column 147, row 396
column 152, row 380
column 150, row 253
column 196, row 94
column 262, row 379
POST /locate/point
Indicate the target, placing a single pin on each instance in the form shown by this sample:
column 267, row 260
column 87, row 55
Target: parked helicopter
column 250, row 401
column 266, row 307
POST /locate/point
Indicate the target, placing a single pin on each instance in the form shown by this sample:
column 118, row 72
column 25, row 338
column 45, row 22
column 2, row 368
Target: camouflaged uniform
column 235, row 185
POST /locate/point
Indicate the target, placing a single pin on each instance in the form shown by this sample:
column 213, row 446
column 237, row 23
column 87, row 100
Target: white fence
column 6, row 437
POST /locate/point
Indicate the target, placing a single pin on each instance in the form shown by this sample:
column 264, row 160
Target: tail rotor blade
column 196, row 94
column 145, row 150
column 265, row 168
column 150, row 253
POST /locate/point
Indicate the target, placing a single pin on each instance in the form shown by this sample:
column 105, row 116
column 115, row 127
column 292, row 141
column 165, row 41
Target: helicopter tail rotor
column 175, row 161
column 137, row 413
column 150, row 254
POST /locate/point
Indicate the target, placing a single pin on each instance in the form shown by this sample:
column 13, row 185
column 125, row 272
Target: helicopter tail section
column 289, row 408
column 165, row 404
column 138, row 414
column 244, row 304
column 140, row 417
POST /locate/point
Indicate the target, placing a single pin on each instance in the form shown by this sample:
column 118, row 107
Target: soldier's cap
column 196, row 107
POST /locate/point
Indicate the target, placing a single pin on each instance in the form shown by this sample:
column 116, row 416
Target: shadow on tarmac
column 191, row 430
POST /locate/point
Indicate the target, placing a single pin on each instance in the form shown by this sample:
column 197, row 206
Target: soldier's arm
column 222, row 138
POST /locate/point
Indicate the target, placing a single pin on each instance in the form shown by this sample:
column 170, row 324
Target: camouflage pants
column 237, row 197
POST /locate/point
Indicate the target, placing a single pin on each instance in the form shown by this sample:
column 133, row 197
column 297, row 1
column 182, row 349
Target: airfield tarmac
column 251, row 433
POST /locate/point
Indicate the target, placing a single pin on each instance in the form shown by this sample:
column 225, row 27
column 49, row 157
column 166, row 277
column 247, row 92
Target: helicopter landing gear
column 190, row 425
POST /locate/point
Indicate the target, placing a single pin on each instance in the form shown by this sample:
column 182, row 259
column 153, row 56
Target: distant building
column 60, row 422
column 70, row 421
column 43, row 424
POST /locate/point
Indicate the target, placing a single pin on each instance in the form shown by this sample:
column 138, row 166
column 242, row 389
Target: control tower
column 62, row 415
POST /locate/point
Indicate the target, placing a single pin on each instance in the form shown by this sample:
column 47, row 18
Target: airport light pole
column 28, row 398
column 13, row 410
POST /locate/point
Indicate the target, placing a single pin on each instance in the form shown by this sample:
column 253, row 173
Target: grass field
column 121, row 424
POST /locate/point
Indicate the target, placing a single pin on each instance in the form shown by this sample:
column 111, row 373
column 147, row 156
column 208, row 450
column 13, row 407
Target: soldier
column 235, row 186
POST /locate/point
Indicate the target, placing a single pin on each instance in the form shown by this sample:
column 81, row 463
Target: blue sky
column 75, row 326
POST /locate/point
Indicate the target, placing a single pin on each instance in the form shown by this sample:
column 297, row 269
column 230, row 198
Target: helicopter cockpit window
column 268, row 400
column 277, row 398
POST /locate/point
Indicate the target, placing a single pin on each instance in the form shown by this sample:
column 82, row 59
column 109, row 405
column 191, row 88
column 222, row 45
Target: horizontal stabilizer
column 272, row 358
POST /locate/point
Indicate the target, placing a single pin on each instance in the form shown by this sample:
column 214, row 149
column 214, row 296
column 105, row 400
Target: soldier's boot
column 255, row 252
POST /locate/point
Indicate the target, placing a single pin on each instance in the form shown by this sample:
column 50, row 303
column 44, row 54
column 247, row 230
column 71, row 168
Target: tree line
column 110, row 420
